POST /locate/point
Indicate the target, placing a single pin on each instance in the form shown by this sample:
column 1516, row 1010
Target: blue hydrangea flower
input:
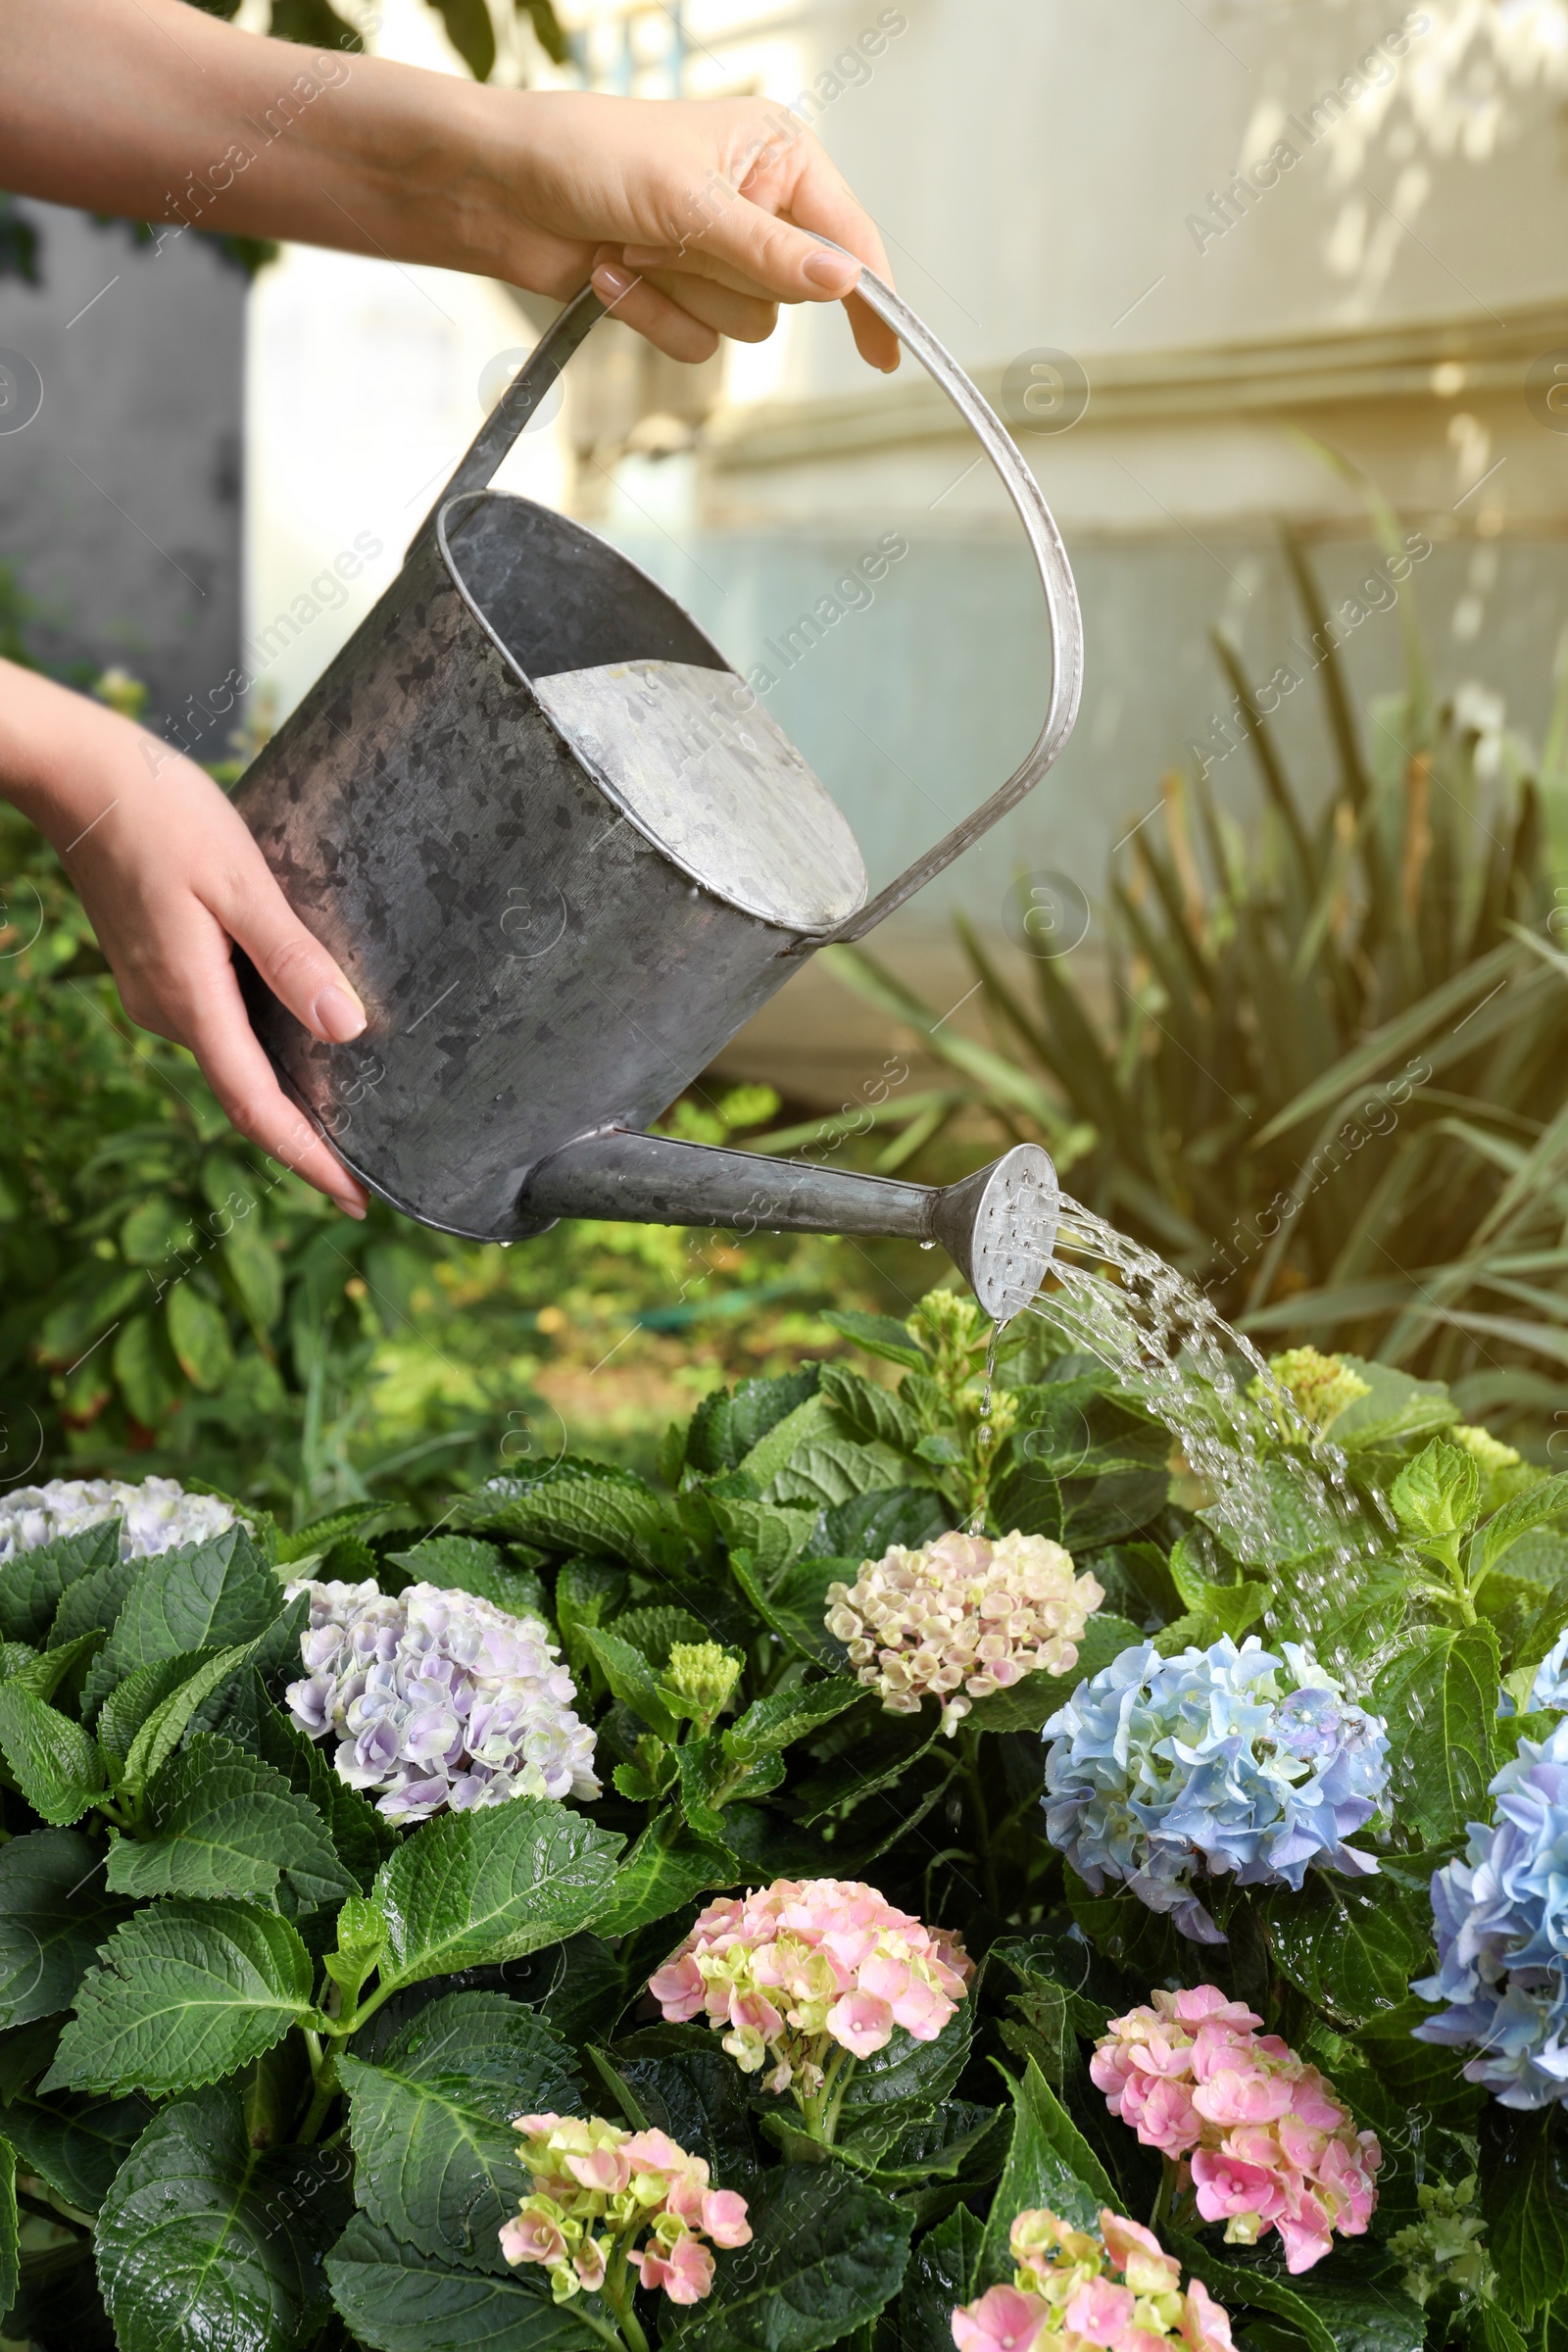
column 1221, row 1759
column 1551, row 1686
column 1501, row 1917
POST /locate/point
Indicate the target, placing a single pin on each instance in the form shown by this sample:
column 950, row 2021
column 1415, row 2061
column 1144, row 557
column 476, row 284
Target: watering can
column 564, row 853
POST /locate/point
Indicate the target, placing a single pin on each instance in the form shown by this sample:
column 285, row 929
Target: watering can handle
column 554, row 348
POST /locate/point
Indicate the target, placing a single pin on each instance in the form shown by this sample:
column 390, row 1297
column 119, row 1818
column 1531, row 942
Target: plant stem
column 1167, row 2183
column 617, row 2294
column 970, row 1744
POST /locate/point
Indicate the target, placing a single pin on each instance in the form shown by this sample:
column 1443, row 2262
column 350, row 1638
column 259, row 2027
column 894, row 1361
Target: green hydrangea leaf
column 130, row 1703
column 794, row 1603
column 77, row 2142
column 94, row 1599
column 474, row 1888
column 187, row 1991
column 51, row 1760
column 437, row 2159
column 203, row 2240
column 880, row 1335
column 165, row 1724
column 1524, row 2200
column 906, row 2077
column 871, row 1409
column 1437, row 1493
column 226, row 1824
column 55, row 1911
column 1049, row 2163
column 940, row 2275
column 827, row 2253
column 631, row 1680
column 31, row 1582
column 728, row 1424
column 362, row 1837
column 396, row 2299
column 1439, row 1695
column 1352, row 1946
column 785, row 1716
column 211, row 1595
column 10, row 2233
column 668, row 1867
column 1028, row 1705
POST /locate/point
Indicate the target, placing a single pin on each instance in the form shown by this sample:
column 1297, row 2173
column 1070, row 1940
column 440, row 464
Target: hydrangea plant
column 537, row 1934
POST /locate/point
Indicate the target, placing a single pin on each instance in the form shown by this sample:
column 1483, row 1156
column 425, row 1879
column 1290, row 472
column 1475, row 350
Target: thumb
column 290, row 959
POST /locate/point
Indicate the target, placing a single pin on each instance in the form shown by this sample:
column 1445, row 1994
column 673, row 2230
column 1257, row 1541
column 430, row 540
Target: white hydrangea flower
column 438, row 1700
column 960, row 1618
column 154, row 1515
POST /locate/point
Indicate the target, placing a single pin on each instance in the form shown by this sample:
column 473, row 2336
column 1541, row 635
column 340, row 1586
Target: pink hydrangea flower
column 1261, row 2138
column 597, row 2187
column 960, row 1618
column 807, row 1968
column 1115, row 2291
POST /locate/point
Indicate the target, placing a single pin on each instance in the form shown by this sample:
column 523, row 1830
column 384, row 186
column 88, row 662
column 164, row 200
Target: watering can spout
column 997, row 1226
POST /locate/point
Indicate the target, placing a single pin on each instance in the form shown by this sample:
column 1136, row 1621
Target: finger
column 241, row 1077
column 291, row 959
column 743, row 318
column 641, row 305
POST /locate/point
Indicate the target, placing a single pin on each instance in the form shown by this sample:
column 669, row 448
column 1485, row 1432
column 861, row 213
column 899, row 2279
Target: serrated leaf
column 51, row 1760
column 187, row 1991
column 10, row 2233
column 1437, row 1493
column 1524, row 2198
column 437, row 2159
column 784, row 1716
column 1352, row 1945
column 211, row 1595
column 203, row 2240
column 130, row 1703
column 871, row 1411
column 43, row 1672
column 727, row 1425
column 1418, row 2076
column 869, row 1524
column 941, row 2276
column 199, row 1336
column 1238, row 2289
column 686, row 2085
column 826, row 2255
column 1028, row 1705
column 398, row 2300
column 828, row 1470
column 875, row 1762
column 1363, row 2315
column 906, row 2077
column 32, row 1583
column 95, row 1598
column 471, row 1889
column 54, row 1913
column 226, row 1824
column 1516, row 1518
column 1049, row 2163
column 1440, row 1698
column 620, row 1518
column 631, row 1680
column 880, row 1335
column 162, row 1729
column 812, row 1418
column 794, row 1604
column 666, row 1870
column 654, row 1632
column 462, row 1564
column 362, row 1837
column 710, row 1779
column 77, row 2143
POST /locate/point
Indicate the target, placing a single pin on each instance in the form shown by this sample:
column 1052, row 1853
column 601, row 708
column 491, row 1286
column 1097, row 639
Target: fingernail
column 339, row 1015
column 612, row 284
column 834, row 271
column 350, row 1208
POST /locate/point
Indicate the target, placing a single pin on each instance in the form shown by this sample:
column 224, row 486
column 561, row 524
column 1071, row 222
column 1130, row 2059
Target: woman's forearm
column 159, row 112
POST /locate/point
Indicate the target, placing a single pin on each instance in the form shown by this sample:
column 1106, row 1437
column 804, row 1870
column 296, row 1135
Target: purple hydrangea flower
column 438, row 1700
column 1501, row 1917
column 155, row 1514
column 1220, row 1759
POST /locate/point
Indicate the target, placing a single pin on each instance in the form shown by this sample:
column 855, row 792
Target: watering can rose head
column 808, row 1972
column 438, row 1700
column 960, row 1618
column 1263, row 2141
column 1115, row 2288
column 1220, row 1760
column 154, row 1515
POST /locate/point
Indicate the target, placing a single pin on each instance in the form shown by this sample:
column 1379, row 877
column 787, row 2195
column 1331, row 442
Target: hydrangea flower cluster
column 1550, row 1689
column 807, row 1968
column 960, row 1618
column 154, row 1515
column 1219, row 1759
column 1063, row 2297
column 1319, row 1386
column 1260, row 2136
column 438, row 1700
column 597, row 2187
column 1503, row 1930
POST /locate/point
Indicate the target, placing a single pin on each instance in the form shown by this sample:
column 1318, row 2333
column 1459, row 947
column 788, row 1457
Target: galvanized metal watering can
column 564, row 854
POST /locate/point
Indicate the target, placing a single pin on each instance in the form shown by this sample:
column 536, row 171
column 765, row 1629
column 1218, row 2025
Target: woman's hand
column 170, row 876
column 695, row 217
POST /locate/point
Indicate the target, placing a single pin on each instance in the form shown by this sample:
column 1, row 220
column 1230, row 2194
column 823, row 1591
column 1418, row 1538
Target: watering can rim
column 538, row 373
column 811, row 934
